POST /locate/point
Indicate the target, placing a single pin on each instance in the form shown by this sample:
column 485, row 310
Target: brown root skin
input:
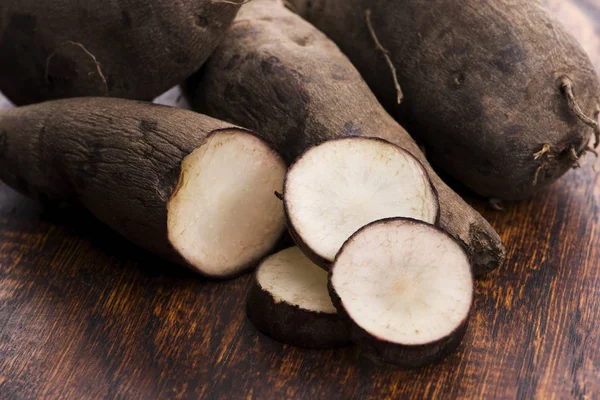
column 386, row 55
column 121, row 159
column 484, row 85
column 123, row 49
column 82, row 47
column 292, row 325
column 277, row 75
column 403, row 356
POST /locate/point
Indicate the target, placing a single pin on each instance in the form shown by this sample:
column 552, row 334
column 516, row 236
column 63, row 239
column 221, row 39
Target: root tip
column 386, row 55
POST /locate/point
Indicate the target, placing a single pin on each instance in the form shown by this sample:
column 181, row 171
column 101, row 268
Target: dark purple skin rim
column 244, row 268
column 312, row 256
column 292, row 325
column 310, row 253
column 405, row 356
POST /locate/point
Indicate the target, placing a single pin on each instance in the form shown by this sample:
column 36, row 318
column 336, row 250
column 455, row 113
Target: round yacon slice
column 406, row 287
column 338, row 187
column 289, row 302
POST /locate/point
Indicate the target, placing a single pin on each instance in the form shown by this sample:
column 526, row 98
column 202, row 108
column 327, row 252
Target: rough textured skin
column 380, row 350
column 119, row 158
column 119, row 48
column 278, row 75
column 481, row 83
column 292, row 325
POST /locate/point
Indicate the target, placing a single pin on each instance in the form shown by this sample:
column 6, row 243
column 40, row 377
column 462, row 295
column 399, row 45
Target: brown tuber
column 187, row 187
column 126, row 48
column 487, row 84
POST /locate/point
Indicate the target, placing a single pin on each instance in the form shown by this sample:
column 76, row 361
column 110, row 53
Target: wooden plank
column 84, row 314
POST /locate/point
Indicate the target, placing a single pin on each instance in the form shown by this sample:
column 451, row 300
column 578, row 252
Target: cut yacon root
column 289, row 302
column 335, row 188
column 407, row 289
column 223, row 216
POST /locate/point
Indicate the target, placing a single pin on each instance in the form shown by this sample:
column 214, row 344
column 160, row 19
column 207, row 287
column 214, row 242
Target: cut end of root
column 223, row 216
column 406, row 284
column 341, row 185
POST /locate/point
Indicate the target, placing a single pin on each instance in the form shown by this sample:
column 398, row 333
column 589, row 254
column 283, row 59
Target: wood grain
column 86, row 315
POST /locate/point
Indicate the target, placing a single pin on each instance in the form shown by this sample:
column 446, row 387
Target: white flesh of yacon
column 404, row 282
column 224, row 213
column 290, row 277
column 342, row 185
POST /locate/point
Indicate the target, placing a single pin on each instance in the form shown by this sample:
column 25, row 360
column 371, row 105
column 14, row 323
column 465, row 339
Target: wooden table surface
column 85, row 315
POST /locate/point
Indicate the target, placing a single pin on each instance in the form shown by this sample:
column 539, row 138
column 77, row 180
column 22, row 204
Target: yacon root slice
column 289, row 302
column 223, row 216
column 336, row 188
column 407, row 289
